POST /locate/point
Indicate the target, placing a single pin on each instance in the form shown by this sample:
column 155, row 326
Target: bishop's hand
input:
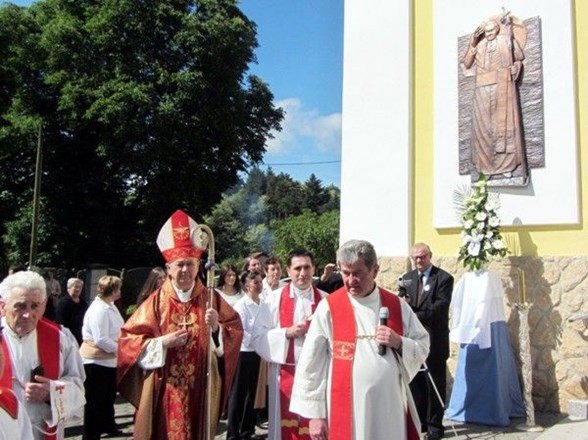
column 175, row 339
column 211, row 319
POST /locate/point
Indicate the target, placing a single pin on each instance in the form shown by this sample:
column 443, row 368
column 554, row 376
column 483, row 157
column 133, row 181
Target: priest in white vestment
column 278, row 335
column 14, row 420
column 355, row 366
column 43, row 367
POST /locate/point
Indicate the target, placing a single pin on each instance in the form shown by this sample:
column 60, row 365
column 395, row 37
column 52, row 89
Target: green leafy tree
column 242, row 220
column 334, row 199
column 319, row 233
column 225, row 222
column 239, row 224
column 18, row 251
column 258, row 237
column 256, row 183
column 285, row 196
column 145, row 108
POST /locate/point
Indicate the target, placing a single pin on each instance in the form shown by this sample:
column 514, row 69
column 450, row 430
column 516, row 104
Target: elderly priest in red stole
column 42, row 365
column 363, row 347
column 167, row 346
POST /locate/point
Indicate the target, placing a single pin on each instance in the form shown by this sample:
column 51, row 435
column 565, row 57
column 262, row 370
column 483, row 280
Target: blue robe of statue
column 486, row 389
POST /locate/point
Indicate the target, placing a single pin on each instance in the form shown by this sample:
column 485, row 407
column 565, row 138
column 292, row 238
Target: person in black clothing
column 429, row 294
column 331, row 279
column 71, row 308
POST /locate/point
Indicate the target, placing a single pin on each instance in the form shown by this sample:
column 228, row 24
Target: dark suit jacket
column 432, row 308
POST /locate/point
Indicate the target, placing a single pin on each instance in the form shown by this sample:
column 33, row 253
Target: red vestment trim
column 293, row 426
column 344, row 337
column 48, row 347
column 344, row 332
column 6, row 378
column 9, row 402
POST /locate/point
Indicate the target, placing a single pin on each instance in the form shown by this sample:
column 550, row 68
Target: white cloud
column 301, row 125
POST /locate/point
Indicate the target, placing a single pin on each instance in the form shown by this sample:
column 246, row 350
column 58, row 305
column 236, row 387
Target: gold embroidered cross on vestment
column 184, row 318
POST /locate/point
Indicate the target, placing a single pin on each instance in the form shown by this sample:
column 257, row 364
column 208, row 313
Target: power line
column 302, row 163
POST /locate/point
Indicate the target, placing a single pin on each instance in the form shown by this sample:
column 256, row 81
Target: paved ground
column 555, row 427
column 124, row 419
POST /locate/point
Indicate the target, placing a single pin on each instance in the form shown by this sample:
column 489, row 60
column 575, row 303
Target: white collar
column 296, row 292
column 184, row 295
column 7, row 331
column 371, row 299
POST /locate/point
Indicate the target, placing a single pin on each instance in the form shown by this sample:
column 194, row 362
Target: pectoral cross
column 185, row 323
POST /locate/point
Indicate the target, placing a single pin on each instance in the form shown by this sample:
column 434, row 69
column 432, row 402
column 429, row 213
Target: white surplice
column 24, row 357
column 478, row 301
column 380, row 394
column 19, row 428
column 269, row 340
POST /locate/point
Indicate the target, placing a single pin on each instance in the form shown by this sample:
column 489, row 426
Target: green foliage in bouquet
column 481, row 239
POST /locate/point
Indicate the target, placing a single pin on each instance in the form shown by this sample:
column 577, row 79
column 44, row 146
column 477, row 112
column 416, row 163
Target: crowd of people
column 336, row 357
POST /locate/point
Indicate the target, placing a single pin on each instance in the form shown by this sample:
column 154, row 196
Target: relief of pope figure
column 497, row 145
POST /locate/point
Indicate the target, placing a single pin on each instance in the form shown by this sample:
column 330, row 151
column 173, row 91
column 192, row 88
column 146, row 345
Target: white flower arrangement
column 480, row 239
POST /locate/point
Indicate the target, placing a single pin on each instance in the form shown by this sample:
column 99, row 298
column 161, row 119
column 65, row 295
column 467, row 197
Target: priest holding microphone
column 352, row 363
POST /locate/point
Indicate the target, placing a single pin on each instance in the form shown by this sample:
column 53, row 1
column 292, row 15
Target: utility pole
column 36, row 199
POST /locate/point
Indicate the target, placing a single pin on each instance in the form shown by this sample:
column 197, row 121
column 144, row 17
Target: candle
column 522, row 293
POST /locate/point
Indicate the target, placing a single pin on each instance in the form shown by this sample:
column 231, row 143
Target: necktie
column 419, row 288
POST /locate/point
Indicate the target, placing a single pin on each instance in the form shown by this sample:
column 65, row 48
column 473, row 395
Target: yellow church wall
column 554, row 258
column 550, row 240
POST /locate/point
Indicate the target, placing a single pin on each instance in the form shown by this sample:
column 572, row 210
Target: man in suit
column 429, row 295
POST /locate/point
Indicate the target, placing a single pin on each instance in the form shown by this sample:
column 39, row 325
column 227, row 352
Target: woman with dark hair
column 100, row 331
column 229, row 286
column 153, row 282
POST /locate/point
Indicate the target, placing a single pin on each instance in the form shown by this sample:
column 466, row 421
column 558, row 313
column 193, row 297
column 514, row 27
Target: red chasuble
column 171, row 400
column 294, row 427
column 344, row 337
column 48, row 350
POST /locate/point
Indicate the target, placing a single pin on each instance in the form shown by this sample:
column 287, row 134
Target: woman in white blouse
column 100, row 330
column 241, row 420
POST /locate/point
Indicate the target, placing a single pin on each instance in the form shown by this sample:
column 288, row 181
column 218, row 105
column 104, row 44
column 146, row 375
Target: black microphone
column 384, row 315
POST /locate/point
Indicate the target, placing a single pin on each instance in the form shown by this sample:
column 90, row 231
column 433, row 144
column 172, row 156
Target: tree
column 315, row 195
column 225, row 222
column 145, row 109
column 285, row 216
column 285, row 196
column 319, row 233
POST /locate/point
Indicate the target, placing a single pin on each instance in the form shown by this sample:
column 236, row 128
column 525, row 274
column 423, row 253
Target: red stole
column 8, row 402
column 48, row 350
column 293, row 426
column 344, row 337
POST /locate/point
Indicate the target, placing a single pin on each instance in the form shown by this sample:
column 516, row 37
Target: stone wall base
column 556, row 289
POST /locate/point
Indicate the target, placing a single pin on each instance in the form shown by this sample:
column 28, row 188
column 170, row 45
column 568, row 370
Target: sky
column 300, row 56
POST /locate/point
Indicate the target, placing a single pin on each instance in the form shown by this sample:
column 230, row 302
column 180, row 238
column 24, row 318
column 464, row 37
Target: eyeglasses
column 420, row 257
